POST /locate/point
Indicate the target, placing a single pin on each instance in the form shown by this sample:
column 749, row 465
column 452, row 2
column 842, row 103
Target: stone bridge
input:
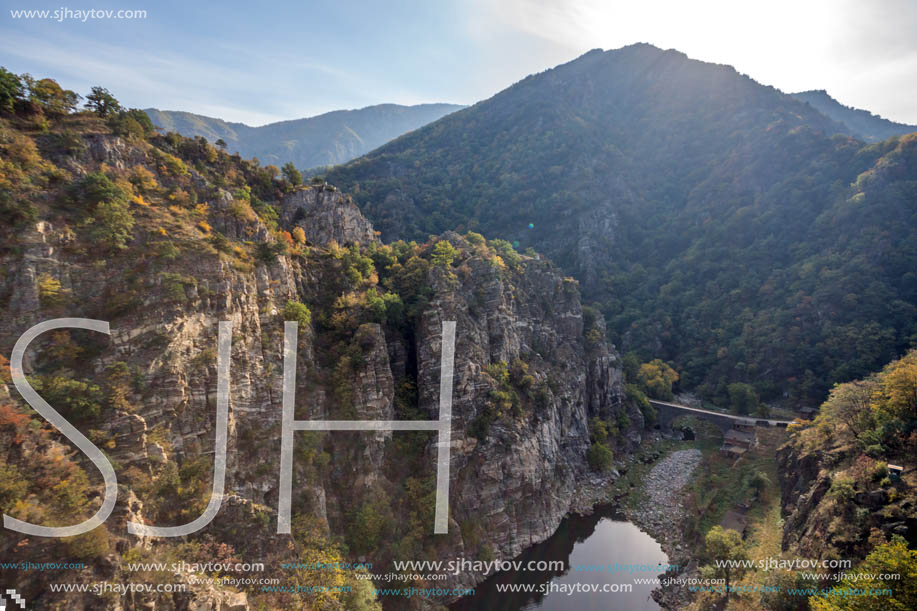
column 667, row 412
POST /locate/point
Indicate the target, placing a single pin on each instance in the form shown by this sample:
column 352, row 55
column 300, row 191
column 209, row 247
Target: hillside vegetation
column 164, row 237
column 719, row 224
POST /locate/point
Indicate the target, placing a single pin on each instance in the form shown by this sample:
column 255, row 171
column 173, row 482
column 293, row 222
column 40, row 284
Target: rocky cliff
column 208, row 244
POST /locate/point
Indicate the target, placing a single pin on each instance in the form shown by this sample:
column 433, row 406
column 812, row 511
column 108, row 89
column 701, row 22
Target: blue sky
column 257, row 64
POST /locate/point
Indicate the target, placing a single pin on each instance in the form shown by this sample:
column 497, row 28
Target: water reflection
column 600, row 539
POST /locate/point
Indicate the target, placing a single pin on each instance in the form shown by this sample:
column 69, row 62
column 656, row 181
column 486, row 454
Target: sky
column 258, row 64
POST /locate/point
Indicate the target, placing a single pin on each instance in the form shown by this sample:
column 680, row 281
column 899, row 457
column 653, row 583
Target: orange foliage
column 13, row 420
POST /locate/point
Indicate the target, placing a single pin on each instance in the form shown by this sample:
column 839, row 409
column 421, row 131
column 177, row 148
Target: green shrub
column 600, row 457
column 296, row 311
column 75, row 399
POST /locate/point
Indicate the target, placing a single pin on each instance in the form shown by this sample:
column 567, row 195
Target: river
column 603, row 538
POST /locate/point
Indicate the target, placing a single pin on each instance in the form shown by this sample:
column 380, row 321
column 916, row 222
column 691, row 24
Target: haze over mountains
column 720, row 224
column 327, row 139
column 861, row 124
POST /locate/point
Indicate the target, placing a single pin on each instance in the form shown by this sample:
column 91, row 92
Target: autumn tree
column 897, row 397
column 725, row 551
column 848, row 408
column 51, row 97
column 656, row 379
column 893, row 558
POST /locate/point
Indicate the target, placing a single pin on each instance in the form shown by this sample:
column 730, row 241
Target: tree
column 893, row 558
column 725, row 545
column 112, row 223
column 51, row 97
column 298, row 312
column 899, row 387
column 600, row 457
column 102, row 102
column 848, row 408
column 758, row 481
column 444, row 253
column 221, row 144
column 742, row 398
column 111, row 219
column 131, row 123
column 656, row 379
column 11, row 90
column 293, row 176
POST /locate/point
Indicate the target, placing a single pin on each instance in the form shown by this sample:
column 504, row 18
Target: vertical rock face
column 519, row 479
column 526, row 381
column 325, row 214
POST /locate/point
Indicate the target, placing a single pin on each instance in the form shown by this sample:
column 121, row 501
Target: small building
column 732, row 451
column 742, row 439
column 808, row 413
column 894, row 472
column 744, row 424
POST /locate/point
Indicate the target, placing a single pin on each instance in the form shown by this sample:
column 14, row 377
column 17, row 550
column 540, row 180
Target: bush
column 297, row 312
column 50, row 293
column 75, row 399
column 600, row 457
column 842, row 488
column 267, row 252
column 110, row 221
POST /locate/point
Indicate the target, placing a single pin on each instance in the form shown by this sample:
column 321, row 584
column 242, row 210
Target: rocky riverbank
column 661, row 512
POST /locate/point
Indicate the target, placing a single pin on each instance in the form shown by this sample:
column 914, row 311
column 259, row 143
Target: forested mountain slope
column 861, row 123
column 718, row 223
column 163, row 237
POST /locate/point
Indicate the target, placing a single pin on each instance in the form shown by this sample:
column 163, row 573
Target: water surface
column 600, row 539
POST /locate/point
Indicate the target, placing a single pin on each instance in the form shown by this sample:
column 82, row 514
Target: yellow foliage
column 299, row 235
column 180, row 197
column 143, row 180
column 204, row 226
column 138, row 199
column 898, row 392
column 242, row 210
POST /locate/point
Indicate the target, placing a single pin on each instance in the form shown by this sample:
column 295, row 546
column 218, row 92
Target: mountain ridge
column 311, row 142
column 638, row 169
column 863, row 124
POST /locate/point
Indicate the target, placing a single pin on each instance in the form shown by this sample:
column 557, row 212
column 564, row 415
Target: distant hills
column 731, row 229
column 327, row 139
column 861, row 124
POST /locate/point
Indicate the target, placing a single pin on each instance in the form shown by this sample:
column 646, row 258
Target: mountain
column 860, row 123
column 327, row 139
column 164, row 237
column 718, row 223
